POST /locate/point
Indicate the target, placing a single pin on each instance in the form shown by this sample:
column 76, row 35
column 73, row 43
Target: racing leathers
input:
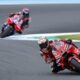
column 53, row 53
column 48, row 56
column 25, row 18
column 18, row 21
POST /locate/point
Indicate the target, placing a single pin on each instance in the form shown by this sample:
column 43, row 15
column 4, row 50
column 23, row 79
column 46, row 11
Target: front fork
column 72, row 67
column 78, row 60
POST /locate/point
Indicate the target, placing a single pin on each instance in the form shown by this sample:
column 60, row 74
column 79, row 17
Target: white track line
column 30, row 36
column 47, row 34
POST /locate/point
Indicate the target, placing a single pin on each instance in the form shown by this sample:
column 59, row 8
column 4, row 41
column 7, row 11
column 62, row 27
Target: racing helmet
column 43, row 42
column 25, row 12
column 69, row 41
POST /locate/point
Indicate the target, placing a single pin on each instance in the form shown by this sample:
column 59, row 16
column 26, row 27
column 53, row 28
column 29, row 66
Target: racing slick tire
column 75, row 64
column 7, row 32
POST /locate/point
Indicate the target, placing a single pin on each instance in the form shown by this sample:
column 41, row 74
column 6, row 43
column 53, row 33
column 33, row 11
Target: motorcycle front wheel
column 75, row 65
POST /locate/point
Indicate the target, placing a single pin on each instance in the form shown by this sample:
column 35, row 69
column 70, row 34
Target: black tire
column 75, row 64
column 9, row 31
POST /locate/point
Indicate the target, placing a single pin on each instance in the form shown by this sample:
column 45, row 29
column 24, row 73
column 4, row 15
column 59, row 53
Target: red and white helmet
column 25, row 11
column 43, row 42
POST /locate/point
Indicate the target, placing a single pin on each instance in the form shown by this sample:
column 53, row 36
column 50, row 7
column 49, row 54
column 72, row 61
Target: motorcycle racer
column 49, row 51
column 20, row 19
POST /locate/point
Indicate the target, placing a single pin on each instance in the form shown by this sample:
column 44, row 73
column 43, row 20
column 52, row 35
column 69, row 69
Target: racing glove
column 55, row 67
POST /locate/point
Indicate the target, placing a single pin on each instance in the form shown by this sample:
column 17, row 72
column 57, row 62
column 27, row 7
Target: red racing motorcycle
column 10, row 28
column 68, row 57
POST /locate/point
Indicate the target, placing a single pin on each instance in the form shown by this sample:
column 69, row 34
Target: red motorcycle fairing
column 9, row 21
column 70, row 50
column 16, row 27
column 59, row 59
column 63, row 54
column 74, row 51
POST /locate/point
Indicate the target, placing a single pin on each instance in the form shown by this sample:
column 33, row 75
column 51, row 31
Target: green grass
column 75, row 37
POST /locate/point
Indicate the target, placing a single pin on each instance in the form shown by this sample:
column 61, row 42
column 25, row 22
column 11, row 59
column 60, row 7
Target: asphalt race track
column 20, row 60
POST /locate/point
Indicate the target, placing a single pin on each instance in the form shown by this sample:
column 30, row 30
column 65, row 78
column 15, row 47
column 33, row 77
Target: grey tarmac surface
column 20, row 60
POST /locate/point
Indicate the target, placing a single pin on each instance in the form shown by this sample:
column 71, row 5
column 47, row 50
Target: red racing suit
column 55, row 51
column 18, row 19
column 50, row 56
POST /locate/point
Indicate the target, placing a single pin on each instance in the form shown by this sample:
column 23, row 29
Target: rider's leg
column 25, row 25
column 55, row 68
column 3, row 26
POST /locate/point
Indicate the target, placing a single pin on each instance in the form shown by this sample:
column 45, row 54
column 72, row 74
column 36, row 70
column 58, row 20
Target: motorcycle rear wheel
column 9, row 31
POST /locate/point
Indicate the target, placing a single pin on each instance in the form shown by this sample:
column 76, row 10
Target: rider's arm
column 45, row 57
column 15, row 13
column 18, row 13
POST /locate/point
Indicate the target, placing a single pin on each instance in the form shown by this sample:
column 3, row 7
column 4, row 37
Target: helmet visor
column 43, row 45
column 26, row 14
